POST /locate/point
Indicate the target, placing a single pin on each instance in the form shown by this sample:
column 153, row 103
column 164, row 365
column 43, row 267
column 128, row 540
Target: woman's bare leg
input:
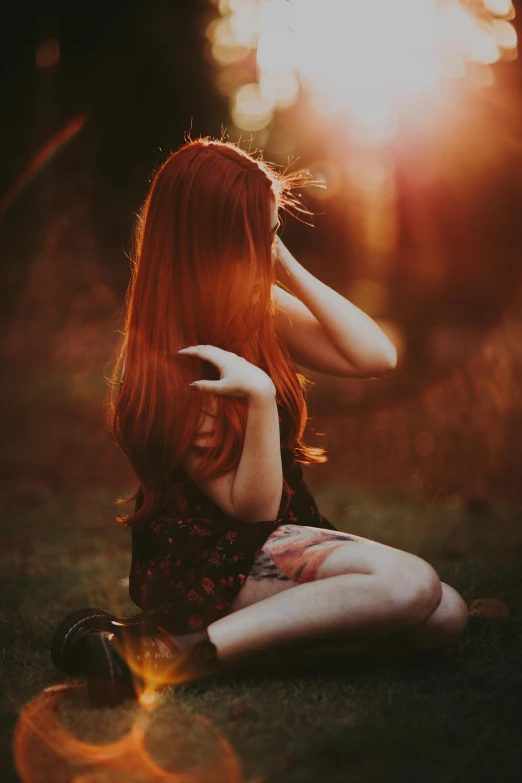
column 443, row 627
column 358, row 592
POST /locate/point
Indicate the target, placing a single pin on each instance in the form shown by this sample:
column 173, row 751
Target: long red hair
column 202, row 248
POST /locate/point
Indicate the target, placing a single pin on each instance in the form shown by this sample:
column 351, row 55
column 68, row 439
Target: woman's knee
column 452, row 615
column 410, row 587
column 415, row 591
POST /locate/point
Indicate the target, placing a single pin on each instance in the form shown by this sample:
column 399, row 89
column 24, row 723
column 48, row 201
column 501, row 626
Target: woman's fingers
column 210, row 353
column 194, row 348
column 207, row 386
column 204, row 352
column 239, row 378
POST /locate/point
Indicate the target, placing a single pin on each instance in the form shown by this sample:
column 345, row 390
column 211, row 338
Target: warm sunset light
column 367, row 59
column 46, row 750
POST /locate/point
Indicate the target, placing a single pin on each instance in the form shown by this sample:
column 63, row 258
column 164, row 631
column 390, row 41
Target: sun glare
column 363, row 58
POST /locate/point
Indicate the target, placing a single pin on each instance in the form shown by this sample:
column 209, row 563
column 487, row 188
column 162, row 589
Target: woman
column 231, row 557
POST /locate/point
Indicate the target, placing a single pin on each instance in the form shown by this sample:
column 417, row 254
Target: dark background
column 136, row 71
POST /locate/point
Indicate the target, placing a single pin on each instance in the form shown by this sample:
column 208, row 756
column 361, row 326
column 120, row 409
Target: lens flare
column 44, row 749
column 40, row 160
column 505, row 34
column 499, row 7
column 251, row 109
column 361, row 58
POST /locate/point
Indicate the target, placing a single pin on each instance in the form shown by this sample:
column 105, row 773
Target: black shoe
column 110, row 681
column 113, row 678
column 83, row 644
column 98, row 644
column 67, row 652
column 118, row 667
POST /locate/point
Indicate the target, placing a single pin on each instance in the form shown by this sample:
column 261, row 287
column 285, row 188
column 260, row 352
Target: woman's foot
column 121, row 665
column 109, row 679
column 66, row 650
column 120, row 656
column 66, row 647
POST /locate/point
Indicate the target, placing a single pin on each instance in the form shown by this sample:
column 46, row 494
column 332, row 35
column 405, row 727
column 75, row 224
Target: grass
column 455, row 717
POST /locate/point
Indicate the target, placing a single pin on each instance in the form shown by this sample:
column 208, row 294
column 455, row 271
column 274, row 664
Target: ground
column 455, row 717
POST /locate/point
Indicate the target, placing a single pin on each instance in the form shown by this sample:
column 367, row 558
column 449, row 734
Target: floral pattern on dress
column 194, row 566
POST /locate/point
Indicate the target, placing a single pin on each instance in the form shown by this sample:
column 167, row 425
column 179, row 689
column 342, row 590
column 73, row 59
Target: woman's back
column 219, row 489
column 197, row 561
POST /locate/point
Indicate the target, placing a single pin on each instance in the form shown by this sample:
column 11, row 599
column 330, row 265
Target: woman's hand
column 239, row 378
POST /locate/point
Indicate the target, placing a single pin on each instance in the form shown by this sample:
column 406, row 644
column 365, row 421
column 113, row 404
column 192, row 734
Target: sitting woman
column 231, row 558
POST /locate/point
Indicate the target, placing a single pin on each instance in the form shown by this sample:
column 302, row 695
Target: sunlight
column 366, row 59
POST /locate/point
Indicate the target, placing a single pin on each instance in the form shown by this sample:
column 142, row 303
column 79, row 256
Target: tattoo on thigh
column 265, row 568
column 299, row 552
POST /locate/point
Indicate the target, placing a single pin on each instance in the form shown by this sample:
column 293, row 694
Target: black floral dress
column 195, row 565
